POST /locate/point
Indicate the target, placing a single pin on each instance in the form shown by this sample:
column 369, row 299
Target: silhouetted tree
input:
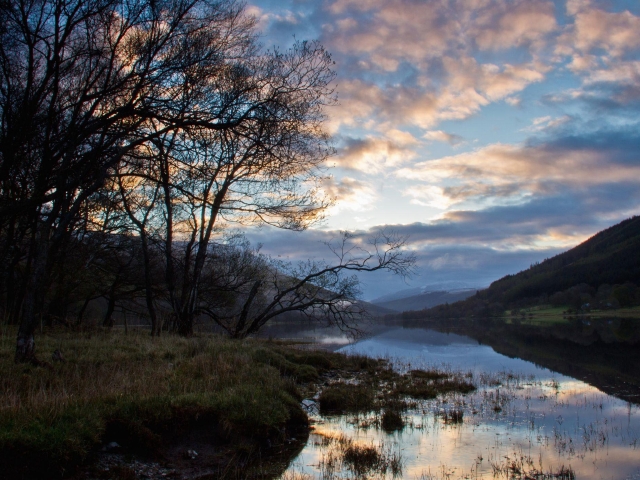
column 83, row 84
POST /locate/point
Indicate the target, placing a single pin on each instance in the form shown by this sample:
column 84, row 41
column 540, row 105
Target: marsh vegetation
column 104, row 393
column 518, row 421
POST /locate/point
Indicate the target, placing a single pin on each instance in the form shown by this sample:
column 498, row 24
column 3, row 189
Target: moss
column 300, row 371
column 425, row 385
column 321, row 361
column 428, row 374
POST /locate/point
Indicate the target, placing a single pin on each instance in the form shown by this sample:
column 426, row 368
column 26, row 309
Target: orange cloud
column 373, row 155
column 502, row 174
column 349, row 194
column 505, row 25
column 386, row 35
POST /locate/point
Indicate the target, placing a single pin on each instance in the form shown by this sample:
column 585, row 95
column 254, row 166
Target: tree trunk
column 25, row 343
column 82, row 310
column 185, row 324
column 108, row 317
column 148, row 284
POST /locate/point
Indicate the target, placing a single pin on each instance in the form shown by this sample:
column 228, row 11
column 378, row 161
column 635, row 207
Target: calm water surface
column 522, row 419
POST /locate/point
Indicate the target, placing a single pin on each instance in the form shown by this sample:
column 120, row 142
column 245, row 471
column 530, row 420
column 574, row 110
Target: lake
column 523, row 421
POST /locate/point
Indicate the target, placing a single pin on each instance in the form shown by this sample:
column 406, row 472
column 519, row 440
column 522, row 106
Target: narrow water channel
column 522, row 422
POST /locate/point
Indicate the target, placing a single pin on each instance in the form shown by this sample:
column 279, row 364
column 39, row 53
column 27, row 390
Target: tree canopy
column 131, row 134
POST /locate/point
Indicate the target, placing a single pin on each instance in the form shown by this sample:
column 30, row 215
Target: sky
column 492, row 133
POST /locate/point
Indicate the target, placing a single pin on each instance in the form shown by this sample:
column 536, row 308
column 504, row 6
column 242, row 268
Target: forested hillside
column 612, row 256
column 602, row 272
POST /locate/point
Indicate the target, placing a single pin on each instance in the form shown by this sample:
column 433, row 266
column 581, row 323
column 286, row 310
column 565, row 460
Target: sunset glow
column 499, row 132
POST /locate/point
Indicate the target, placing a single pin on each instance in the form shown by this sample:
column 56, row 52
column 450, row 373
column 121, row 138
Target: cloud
column 502, row 173
column 406, row 67
column 389, row 32
column 423, row 56
column 442, row 136
column 603, row 48
column 429, row 196
column 416, row 64
column 483, row 245
column 615, row 32
column 349, row 194
column 478, row 247
column 504, row 25
column 468, row 87
column 374, row 155
column 386, row 33
column 547, row 123
column 513, row 101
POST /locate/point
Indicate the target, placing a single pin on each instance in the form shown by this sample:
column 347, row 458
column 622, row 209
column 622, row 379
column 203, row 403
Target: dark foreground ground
column 121, row 406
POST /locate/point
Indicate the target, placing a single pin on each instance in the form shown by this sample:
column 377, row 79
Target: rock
column 190, row 454
column 111, row 447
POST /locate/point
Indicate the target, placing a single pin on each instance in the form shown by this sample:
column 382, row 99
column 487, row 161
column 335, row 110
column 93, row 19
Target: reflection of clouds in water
column 424, row 348
column 551, row 418
column 340, row 340
column 573, row 431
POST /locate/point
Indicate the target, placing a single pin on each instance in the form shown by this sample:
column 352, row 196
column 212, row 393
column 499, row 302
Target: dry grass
column 53, row 418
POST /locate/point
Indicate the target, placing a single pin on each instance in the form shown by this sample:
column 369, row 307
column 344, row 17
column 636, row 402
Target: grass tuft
column 346, row 397
column 391, row 421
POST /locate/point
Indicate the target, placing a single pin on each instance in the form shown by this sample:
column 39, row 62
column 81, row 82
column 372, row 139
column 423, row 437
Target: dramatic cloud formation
column 492, row 132
column 504, row 173
column 375, row 155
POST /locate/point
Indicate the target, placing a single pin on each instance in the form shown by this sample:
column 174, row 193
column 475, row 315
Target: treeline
column 132, row 135
column 577, row 299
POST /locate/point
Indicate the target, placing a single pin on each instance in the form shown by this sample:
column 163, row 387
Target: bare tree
column 82, row 84
column 170, row 110
column 322, row 291
column 264, row 170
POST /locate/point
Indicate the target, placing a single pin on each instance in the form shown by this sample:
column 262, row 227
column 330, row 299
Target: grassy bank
column 142, row 393
column 158, row 399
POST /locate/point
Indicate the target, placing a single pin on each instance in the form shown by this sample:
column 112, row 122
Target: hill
column 612, row 256
column 426, row 300
column 609, row 258
column 444, row 286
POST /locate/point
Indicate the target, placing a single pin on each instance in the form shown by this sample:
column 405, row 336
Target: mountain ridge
column 426, row 300
column 610, row 257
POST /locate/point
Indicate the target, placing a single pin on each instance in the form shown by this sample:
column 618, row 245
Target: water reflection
column 328, row 337
column 426, row 348
column 522, row 420
column 601, row 351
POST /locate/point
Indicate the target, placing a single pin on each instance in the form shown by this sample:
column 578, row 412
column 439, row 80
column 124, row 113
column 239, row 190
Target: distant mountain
column 377, row 310
column 426, row 300
column 446, row 286
column 610, row 257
